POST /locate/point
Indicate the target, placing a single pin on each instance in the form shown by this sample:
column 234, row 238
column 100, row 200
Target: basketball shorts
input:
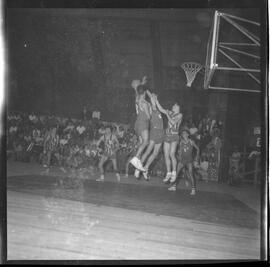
column 140, row 126
column 169, row 138
column 157, row 135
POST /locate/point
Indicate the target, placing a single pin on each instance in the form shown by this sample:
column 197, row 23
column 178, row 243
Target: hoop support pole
column 233, row 89
column 245, row 32
column 237, row 64
column 239, row 18
column 239, row 51
column 243, row 28
column 238, row 69
column 214, row 40
column 244, row 44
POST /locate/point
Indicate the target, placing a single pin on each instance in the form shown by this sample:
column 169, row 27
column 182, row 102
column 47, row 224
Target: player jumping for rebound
column 171, row 139
column 142, row 122
column 156, row 137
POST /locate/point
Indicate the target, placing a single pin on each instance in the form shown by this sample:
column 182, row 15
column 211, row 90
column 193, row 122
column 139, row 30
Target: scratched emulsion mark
column 69, row 216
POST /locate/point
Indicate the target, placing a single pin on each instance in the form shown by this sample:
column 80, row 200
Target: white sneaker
column 137, row 164
column 146, row 176
column 168, row 177
column 173, row 177
column 118, row 177
column 101, row 178
column 134, row 162
column 172, row 188
column 193, row 192
column 137, row 173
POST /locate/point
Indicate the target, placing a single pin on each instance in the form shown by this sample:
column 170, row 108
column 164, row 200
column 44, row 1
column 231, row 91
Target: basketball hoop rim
column 191, row 62
column 191, row 68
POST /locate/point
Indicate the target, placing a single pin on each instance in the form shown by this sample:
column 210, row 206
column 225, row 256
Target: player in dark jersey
column 156, row 137
column 111, row 145
column 185, row 160
column 50, row 146
column 171, row 139
column 141, row 124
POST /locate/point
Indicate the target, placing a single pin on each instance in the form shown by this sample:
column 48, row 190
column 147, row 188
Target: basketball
column 135, row 83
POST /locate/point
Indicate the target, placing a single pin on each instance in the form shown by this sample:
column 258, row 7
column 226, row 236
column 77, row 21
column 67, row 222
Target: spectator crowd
column 74, row 149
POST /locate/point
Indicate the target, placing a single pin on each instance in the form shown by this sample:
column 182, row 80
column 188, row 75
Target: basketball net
column 191, row 69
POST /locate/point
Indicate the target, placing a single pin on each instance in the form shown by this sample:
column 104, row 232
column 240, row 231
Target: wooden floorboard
column 52, row 229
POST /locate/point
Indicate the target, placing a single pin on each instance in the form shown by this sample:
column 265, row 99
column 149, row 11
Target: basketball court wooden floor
column 87, row 220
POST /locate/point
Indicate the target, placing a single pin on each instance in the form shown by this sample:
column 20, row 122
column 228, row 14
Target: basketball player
column 171, row 139
column 51, row 142
column 111, row 145
column 156, row 137
column 186, row 146
column 131, row 151
column 142, row 122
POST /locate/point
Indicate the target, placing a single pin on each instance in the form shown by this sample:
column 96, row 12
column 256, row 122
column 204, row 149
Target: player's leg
column 136, row 160
column 153, row 155
column 167, row 148
column 48, row 161
column 115, row 168
column 127, row 165
column 144, row 143
column 148, row 151
column 103, row 159
column 144, row 157
column 173, row 186
column 173, row 159
column 192, row 178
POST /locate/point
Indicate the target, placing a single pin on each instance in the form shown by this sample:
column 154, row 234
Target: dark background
column 60, row 59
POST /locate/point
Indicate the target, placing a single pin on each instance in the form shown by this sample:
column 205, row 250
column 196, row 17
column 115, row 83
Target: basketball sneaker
column 137, row 164
column 173, row 177
column 137, row 173
column 193, row 192
column 146, row 175
column 172, row 188
column 101, row 178
column 168, row 177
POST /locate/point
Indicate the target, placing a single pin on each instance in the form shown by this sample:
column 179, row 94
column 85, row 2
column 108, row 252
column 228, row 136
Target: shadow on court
column 209, row 207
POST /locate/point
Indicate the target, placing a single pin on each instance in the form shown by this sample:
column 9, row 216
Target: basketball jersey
column 139, row 110
column 186, row 147
column 156, row 120
column 109, row 145
column 173, row 128
column 52, row 143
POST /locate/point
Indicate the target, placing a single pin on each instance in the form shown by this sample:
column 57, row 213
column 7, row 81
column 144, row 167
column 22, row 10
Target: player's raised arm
column 160, row 108
column 115, row 139
column 100, row 140
column 146, row 109
column 197, row 149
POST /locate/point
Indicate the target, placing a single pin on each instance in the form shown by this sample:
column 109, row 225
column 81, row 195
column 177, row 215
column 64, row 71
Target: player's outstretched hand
column 144, row 80
column 135, row 84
